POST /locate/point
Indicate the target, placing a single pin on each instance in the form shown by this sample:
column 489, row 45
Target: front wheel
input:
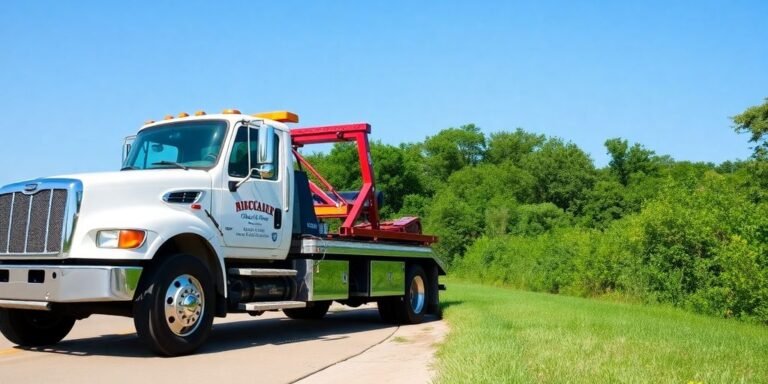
column 34, row 328
column 173, row 313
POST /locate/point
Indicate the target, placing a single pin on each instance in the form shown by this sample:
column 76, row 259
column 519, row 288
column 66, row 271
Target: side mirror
column 264, row 164
column 265, row 152
column 127, row 144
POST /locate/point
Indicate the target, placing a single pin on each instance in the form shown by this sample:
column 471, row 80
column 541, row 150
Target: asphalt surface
column 266, row 349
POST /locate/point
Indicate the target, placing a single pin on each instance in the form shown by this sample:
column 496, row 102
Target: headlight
column 120, row 238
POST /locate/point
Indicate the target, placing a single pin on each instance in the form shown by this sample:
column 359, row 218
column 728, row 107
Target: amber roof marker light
column 281, row 116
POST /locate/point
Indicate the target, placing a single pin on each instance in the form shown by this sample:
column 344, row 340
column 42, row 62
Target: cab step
column 260, row 306
column 262, row 272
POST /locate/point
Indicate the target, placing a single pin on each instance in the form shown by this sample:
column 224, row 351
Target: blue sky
column 75, row 77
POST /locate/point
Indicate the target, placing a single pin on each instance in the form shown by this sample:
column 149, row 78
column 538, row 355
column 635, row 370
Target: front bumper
column 36, row 286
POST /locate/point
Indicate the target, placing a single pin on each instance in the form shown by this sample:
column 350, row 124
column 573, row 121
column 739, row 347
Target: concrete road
column 266, row 349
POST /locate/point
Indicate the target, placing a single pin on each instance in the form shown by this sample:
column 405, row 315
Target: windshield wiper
column 128, row 168
column 164, row 162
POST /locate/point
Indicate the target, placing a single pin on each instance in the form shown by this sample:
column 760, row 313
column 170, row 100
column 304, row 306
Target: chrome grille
column 18, row 225
column 6, row 201
column 38, row 223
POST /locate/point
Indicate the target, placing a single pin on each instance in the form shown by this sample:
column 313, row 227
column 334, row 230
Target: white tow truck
column 209, row 215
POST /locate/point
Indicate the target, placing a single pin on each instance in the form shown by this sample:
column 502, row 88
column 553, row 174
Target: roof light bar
column 281, row 116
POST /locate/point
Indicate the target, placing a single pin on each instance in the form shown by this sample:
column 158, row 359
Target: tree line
column 533, row 212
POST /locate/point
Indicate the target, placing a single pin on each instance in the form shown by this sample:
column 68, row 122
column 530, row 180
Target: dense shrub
column 700, row 245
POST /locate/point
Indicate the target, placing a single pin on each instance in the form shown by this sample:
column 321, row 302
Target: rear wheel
column 411, row 307
column 313, row 311
column 173, row 314
column 34, row 328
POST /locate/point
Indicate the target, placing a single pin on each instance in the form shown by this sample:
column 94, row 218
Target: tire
column 313, row 311
column 34, row 328
column 387, row 310
column 411, row 308
column 173, row 312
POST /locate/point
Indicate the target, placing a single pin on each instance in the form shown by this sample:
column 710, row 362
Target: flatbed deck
column 332, row 246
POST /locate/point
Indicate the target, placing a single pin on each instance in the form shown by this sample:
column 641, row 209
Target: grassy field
column 507, row 336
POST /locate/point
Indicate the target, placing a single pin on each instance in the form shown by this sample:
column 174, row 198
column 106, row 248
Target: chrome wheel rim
column 184, row 305
column 417, row 294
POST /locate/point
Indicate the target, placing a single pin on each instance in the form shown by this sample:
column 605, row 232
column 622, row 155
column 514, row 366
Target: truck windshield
column 194, row 144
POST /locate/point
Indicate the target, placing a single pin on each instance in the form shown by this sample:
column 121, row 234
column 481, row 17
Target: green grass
column 506, row 336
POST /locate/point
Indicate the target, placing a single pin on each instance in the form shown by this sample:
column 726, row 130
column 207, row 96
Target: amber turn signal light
column 120, row 238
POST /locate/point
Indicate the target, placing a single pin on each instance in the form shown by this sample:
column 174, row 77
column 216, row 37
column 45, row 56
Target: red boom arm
column 365, row 203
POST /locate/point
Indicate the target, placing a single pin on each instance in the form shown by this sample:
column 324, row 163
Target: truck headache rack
column 360, row 216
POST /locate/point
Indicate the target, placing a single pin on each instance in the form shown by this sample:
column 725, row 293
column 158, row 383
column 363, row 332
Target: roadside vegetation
column 500, row 335
column 519, row 209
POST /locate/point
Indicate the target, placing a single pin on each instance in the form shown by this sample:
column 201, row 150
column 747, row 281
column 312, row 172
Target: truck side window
column 238, row 159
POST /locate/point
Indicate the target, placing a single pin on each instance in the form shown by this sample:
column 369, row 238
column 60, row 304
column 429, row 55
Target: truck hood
column 126, row 199
column 132, row 199
column 139, row 182
column 136, row 189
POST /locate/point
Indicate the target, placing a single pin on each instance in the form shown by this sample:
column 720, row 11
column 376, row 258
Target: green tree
column 606, row 202
column 512, row 146
column 537, row 219
column 626, row 160
column 563, row 174
column 728, row 166
column 473, row 197
column 340, row 166
column 395, row 176
column 415, row 205
column 452, row 149
column 479, row 185
column 414, row 158
column 754, row 120
column 455, row 222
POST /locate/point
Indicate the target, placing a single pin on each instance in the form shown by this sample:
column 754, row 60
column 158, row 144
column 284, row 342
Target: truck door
column 251, row 216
